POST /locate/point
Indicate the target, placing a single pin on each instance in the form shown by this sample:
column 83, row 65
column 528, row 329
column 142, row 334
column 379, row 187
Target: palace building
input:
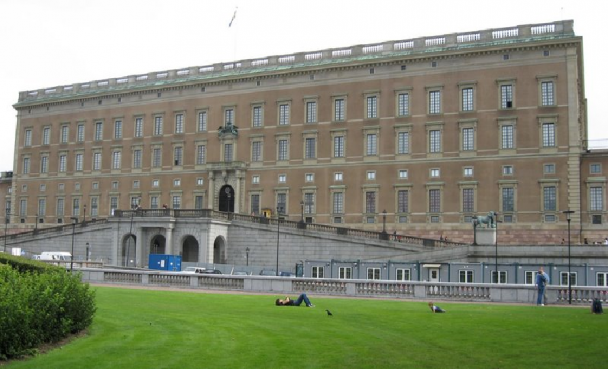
column 415, row 136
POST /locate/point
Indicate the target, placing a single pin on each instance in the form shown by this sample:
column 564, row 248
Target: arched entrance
column 128, row 250
column 157, row 244
column 190, row 249
column 219, row 251
column 226, row 199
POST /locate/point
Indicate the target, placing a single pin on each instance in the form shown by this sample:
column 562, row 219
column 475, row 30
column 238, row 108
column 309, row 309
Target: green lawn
column 166, row 329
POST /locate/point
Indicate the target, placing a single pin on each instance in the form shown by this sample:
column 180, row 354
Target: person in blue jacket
column 542, row 280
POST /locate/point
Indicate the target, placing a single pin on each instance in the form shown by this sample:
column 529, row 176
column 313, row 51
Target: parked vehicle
column 55, row 255
column 211, row 271
column 239, row 273
column 287, row 274
column 268, row 272
column 194, row 270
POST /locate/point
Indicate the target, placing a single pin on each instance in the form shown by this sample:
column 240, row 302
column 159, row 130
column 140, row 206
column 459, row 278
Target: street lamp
column 6, row 219
column 496, row 221
column 36, row 228
column 247, row 255
column 133, row 208
column 568, row 218
column 227, row 190
column 384, row 221
column 302, row 206
column 84, row 219
column 88, row 252
column 74, row 221
column 278, row 235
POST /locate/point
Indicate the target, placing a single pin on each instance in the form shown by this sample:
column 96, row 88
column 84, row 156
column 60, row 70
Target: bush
column 40, row 305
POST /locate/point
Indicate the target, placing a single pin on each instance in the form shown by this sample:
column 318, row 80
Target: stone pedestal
column 486, row 236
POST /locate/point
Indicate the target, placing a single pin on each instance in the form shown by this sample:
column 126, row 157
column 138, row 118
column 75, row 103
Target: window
column 80, row 133
column 60, row 207
column 467, row 99
column 282, row 178
column 46, row 136
column 137, row 159
column 22, row 208
column 199, row 181
column 338, row 146
column 309, row 177
column 338, row 202
column 95, row 185
column 507, row 170
column 596, row 199
column 435, row 102
column 465, row 276
column 26, row 165
column 371, row 175
column 256, row 151
column 65, row 130
column 370, row 202
column 98, row 131
column 372, row 145
column 256, row 116
column 156, row 157
column 42, row 187
column 468, row 141
column 434, row 141
column 435, row 173
column 202, row 121
column 468, row 172
column 547, row 93
column 339, row 109
column 116, row 159
column 403, row 143
column 468, row 200
column 28, row 138
column 506, row 96
column 311, row 111
column 76, row 207
column 507, row 137
column 79, row 161
column 403, row 104
column 41, row 207
column 177, row 202
column 94, row 206
column 403, row 205
column 228, row 152
column 309, row 203
column 255, row 179
column 434, row 200
column 113, row 204
column 115, row 185
column 229, row 117
column 310, row 150
column 281, row 203
column 338, row 177
column 403, row 275
column 179, row 123
column 200, row 154
column 601, row 279
column 255, row 204
column 549, row 168
column 345, row 273
column 373, row 273
column 403, row 173
column 178, row 156
column 155, row 183
column 158, row 125
column 283, row 114
column 563, row 279
column 372, row 107
column 63, row 161
column 283, row 150
column 198, row 202
column 177, row 182
column 548, row 134
column 44, row 164
column 500, row 278
column 508, row 199
column 139, row 127
column 318, row 272
column 136, row 184
column 549, row 198
column 117, row 129
column 595, row 168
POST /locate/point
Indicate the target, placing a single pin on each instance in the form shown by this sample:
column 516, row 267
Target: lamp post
column 384, row 221
column 302, row 207
column 496, row 255
column 278, row 235
column 84, row 219
column 74, row 221
column 88, row 252
column 568, row 218
column 247, row 255
column 227, row 190
column 36, row 227
column 6, row 219
column 133, row 207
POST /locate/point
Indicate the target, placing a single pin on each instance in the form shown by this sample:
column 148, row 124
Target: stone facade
column 414, row 136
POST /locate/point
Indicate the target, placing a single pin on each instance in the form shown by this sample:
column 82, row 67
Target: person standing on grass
column 289, row 302
column 542, row 279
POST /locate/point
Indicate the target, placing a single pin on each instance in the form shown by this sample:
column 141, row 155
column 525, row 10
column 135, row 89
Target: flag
column 233, row 16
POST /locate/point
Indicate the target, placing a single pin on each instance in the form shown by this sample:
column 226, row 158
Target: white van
column 56, row 255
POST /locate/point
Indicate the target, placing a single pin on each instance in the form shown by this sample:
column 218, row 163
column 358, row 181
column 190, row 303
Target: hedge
column 40, row 304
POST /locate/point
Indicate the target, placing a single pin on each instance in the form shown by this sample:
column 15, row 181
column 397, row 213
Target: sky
column 48, row 43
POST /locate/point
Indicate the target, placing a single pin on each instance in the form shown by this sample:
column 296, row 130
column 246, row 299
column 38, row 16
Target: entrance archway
column 190, row 249
column 128, row 250
column 219, row 251
column 158, row 244
column 227, row 199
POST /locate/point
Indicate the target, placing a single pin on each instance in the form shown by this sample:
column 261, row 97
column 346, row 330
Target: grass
column 174, row 329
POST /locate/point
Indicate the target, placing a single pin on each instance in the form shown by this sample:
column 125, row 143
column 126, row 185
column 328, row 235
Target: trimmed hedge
column 39, row 304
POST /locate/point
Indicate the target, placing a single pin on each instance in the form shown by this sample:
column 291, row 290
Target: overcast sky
column 47, row 43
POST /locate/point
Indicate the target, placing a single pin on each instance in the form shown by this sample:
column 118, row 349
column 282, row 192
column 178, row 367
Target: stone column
column 140, row 248
column 169, row 240
column 211, row 197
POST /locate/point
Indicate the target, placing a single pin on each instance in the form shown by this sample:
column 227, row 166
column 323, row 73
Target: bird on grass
column 329, row 313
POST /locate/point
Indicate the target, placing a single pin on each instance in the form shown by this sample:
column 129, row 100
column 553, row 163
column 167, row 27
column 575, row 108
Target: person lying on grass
column 289, row 302
column 436, row 309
